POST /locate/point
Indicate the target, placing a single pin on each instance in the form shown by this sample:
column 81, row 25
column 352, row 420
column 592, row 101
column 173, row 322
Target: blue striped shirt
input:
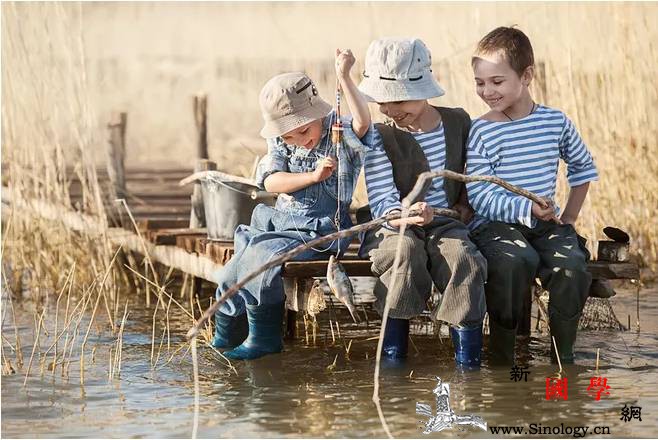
column 526, row 153
column 383, row 195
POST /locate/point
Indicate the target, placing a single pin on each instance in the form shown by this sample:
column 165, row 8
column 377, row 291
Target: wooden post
column 201, row 121
column 197, row 214
column 116, row 151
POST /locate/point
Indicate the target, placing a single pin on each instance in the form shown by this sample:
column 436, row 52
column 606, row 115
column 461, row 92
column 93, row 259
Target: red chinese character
column 598, row 385
column 556, row 388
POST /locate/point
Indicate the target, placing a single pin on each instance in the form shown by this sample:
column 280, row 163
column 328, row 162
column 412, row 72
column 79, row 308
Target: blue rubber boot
column 265, row 331
column 230, row 331
column 396, row 338
column 468, row 345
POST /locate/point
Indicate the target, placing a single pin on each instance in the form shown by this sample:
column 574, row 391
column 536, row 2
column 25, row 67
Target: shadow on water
column 321, row 391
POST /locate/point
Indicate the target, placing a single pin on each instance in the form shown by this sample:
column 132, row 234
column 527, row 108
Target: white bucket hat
column 399, row 69
column 289, row 101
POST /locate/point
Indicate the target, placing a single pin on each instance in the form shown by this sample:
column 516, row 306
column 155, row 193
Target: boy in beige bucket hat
column 319, row 179
column 436, row 249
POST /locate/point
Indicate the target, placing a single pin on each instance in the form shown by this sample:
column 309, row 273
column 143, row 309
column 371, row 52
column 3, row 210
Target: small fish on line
column 341, row 286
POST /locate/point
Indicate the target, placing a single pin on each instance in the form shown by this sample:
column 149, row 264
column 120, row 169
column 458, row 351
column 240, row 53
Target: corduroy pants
column 439, row 253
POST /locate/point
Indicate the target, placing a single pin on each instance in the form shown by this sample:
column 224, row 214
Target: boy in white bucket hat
column 302, row 162
column 436, row 249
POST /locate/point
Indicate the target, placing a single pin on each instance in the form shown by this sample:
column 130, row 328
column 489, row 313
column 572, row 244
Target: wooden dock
column 166, row 220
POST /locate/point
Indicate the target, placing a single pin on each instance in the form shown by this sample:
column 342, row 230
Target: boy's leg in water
column 459, row 271
column 511, row 267
column 412, row 284
column 230, row 319
column 563, row 272
column 264, row 295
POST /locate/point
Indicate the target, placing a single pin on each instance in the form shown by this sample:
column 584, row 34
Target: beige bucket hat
column 289, row 101
column 399, row 69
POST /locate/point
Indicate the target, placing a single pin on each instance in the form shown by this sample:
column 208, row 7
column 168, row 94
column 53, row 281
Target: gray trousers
column 439, row 253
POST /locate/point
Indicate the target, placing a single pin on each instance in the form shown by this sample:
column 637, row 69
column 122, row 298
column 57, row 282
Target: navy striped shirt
column 383, row 195
column 526, row 153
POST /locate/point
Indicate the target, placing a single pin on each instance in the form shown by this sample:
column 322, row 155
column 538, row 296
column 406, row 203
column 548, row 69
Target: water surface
column 301, row 393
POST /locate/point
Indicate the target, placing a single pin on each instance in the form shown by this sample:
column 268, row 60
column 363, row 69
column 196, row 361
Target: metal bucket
column 228, row 204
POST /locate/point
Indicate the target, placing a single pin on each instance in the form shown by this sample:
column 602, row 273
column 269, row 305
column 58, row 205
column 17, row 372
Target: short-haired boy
column 435, row 250
column 522, row 142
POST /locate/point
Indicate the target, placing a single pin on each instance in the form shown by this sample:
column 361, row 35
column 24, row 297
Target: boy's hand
column 426, row 216
column 547, row 214
column 324, row 169
column 344, row 62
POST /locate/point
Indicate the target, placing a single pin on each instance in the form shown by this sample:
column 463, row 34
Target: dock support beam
column 116, row 152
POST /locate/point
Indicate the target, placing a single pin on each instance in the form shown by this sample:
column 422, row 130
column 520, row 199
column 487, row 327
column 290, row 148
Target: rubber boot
column 468, row 345
column 564, row 332
column 396, row 338
column 230, row 331
column 265, row 332
column 501, row 344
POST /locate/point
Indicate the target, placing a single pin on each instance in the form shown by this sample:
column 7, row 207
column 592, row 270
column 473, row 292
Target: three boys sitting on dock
column 517, row 239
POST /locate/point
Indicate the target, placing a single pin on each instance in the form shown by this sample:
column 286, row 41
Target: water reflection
column 294, row 394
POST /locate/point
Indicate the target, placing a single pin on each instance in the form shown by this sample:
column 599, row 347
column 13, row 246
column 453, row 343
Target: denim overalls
column 296, row 219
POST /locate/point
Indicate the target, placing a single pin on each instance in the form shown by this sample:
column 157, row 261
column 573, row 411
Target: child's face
column 404, row 113
column 307, row 136
column 497, row 83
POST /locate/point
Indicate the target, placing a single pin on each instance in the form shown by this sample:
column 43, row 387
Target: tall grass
column 74, row 285
column 66, row 67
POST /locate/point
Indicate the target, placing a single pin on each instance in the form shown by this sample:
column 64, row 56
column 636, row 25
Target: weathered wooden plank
column 612, row 271
column 219, row 252
column 357, row 267
column 162, row 223
column 305, row 269
column 169, row 236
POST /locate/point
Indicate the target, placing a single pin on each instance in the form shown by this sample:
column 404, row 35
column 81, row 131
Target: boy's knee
column 412, row 254
column 572, row 261
column 522, row 260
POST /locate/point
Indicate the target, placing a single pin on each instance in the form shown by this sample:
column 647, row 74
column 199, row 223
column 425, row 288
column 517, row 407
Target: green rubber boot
column 501, row 344
column 564, row 332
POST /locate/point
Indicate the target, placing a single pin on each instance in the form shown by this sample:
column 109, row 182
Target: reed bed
column 74, row 287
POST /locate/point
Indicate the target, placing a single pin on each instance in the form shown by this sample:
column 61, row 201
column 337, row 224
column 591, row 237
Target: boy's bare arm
column 575, row 201
column 355, row 100
column 283, row 182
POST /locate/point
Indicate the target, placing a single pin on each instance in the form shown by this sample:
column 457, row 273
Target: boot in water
column 396, row 338
column 468, row 345
column 501, row 344
column 564, row 332
column 265, row 332
column 230, row 331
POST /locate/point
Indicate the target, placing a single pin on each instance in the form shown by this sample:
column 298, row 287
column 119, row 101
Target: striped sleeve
column 383, row 195
column 490, row 200
column 580, row 165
